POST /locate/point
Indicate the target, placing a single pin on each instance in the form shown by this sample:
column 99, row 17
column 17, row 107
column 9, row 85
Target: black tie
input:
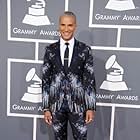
column 66, row 56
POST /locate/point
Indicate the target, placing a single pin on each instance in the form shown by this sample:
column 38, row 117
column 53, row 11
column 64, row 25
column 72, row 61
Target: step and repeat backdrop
column 110, row 27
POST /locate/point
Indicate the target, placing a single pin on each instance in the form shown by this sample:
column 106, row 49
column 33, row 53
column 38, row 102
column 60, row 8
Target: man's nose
column 66, row 28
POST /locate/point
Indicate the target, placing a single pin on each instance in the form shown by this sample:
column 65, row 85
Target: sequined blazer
column 77, row 85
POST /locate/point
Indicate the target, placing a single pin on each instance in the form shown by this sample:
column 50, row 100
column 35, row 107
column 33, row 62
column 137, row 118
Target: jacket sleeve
column 89, row 81
column 46, row 76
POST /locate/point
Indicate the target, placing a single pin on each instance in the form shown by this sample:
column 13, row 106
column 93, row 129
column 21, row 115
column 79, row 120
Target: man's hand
column 90, row 114
column 48, row 117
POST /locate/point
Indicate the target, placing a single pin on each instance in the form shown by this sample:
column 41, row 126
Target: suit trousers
column 76, row 120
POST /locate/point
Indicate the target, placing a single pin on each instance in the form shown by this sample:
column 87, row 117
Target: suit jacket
column 77, row 84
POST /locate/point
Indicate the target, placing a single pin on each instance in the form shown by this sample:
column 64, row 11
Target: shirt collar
column 71, row 41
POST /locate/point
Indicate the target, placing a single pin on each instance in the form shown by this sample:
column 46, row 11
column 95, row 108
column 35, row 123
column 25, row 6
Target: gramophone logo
column 34, row 91
column 120, row 5
column 114, row 78
column 36, row 14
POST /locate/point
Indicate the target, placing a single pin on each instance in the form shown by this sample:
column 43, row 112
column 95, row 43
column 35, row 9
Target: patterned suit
column 70, row 92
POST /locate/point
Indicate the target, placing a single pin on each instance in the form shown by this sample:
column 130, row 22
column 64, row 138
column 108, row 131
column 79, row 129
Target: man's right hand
column 48, row 117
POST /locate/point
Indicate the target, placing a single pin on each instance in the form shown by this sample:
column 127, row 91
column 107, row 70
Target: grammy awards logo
column 36, row 14
column 120, row 5
column 114, row 79
column 34, row 91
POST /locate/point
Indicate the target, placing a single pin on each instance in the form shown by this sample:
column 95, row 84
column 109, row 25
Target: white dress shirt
column 63, row 48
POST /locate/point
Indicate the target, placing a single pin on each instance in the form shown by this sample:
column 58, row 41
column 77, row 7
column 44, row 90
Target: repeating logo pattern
column 34, row 91
column 113, row 13
column 36, row 22
column 114, row 78
column 120, row 5
column 36, row 14
column 25, row 94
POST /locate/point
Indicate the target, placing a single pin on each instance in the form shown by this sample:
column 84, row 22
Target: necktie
column 66, row 56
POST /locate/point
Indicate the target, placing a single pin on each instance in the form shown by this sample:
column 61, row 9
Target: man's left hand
column 90, row 114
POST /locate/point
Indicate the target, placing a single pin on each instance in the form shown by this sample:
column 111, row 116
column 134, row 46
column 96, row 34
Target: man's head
column 67, row 25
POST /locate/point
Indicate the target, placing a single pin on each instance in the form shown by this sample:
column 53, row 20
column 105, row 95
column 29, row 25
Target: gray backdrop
column 110, row 27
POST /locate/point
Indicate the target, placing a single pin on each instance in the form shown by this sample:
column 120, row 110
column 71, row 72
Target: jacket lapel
column 75, row 53
column 57, row 52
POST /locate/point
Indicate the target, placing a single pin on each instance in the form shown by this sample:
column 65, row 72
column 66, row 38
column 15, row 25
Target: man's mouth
column 66, row 33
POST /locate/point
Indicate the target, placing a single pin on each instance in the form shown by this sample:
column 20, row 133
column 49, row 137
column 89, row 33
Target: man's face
column 67, row 26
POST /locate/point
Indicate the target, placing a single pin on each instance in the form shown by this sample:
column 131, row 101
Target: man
column 68, row 82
